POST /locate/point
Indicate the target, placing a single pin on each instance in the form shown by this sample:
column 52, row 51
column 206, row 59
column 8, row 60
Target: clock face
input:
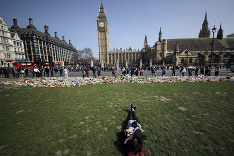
column 101, row 24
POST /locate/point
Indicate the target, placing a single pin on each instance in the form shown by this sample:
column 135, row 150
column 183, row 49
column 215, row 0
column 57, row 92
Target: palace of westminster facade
column 186, row 51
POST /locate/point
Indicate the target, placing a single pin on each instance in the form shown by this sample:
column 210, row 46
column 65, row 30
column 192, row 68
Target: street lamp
column 48, row 48
column 212, row 44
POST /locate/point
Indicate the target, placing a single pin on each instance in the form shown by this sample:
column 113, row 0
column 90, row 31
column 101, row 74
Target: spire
column 206, row 16
column 220, row 33
column 145, row 43
column 145, row 39
column 101, row 6
column 205, row 31
column 101, row 10
column 160, row 35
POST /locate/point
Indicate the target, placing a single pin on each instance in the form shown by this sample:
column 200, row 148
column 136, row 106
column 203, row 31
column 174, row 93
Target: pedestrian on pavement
column 183, row 71
column 153, row 69
column 164, row 71
column 173, row 71
column 217, row 71
column 66, row 73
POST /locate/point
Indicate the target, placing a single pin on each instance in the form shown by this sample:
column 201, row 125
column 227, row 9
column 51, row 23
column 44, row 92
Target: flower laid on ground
column 78, row 81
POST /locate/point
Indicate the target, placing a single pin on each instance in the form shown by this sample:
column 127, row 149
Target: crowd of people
column 96, row 71
column 199, row 70
column 23, row 71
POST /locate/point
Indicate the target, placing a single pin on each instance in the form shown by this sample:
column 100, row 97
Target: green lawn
column 178, row 119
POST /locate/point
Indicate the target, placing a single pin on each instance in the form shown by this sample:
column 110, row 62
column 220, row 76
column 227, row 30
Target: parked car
column 232, row 68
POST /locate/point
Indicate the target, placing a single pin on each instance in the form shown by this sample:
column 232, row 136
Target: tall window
column 182, row 60
column 190, row 60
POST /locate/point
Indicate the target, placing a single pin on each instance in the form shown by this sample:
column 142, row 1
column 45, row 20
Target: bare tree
column 85, row 55
column 75, row 58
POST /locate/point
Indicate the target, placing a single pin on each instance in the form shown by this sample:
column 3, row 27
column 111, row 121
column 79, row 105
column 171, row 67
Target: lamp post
column 48, row 48
column 212, row 44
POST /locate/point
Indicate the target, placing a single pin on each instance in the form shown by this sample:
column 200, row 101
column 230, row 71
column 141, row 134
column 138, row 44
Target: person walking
column 13, row 72
column 22, row 72
column 61, row 71
column 217, row 71
column 99, row 72
column 1, row 72
column 66, row 72
column 56, row 71
column 26, row 71
column 153, row 69
column 132, row 71
column 196, row 71
column 94, row 71
column 164, row 71
column 173, row 71
column 183, row 71
column 141, row 72
column 113, row 71
column 123, row 71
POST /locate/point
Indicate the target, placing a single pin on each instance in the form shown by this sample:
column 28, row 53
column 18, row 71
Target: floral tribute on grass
column 78, row 81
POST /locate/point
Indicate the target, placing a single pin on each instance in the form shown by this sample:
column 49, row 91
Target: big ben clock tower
column 103, row 35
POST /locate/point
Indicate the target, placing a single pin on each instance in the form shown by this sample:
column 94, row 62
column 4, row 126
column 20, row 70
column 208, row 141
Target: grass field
column 178, row 119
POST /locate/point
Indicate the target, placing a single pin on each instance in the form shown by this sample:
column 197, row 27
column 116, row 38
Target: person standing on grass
column 133, row 133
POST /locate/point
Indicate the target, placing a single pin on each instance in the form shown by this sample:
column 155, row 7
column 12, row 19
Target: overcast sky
column 129, row 20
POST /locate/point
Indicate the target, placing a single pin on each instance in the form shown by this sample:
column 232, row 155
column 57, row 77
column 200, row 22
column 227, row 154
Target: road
column 223, row 72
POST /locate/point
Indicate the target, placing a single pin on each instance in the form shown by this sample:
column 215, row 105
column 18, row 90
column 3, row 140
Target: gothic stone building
column 187, row 51
column 193, row 51
column 41, row 46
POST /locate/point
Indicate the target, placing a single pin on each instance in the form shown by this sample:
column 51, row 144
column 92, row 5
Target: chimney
column 30, row 24
column 55, row 34
column 15, row 25
column 69, row 41
column 30, row 21
column 15, row 22
column 63, row 38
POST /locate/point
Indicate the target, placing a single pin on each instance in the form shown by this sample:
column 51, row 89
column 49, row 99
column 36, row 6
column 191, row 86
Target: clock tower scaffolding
column 103, row 35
